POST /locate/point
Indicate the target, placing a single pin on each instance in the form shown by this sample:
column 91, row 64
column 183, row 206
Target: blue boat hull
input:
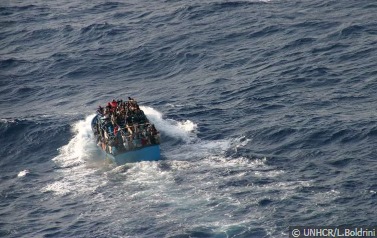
column 149, row 153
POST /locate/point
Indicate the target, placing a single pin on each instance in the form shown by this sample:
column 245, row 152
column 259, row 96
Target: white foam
column 23, row 173
column 77, row 177
column 268, row 174
column 324, row 197
column 185, row 130
column 198, row 148
column 174, row 105
column 58, row 188
column 203, row 179
column 3, row 120
column 81, row 147
column 187, row 126
column 74, row 158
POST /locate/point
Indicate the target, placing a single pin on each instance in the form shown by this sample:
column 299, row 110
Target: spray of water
column 194, row 174
column 75, row 159
column 185, row 130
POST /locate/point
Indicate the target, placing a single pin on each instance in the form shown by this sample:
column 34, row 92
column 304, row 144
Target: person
column 134, row 142
column 155, row 135
column 129, row 129
column 144, row 141
column 125, row 142
column 116, row 128
column 113, row 104
column 130, row 120
column 100, row 110
column 113, row 150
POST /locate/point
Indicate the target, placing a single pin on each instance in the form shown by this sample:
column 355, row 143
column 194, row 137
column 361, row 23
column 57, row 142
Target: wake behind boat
column 124, row 132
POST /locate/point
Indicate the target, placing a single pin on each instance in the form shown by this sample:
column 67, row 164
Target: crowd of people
column 122, row 126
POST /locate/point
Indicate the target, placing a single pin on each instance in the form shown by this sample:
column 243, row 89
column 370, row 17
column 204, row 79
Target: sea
column 266, row 111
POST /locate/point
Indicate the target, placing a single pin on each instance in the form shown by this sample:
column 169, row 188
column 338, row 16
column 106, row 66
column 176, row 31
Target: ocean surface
column 267, row 112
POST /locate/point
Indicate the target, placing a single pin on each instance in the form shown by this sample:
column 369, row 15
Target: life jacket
column 114, row 104
column 144, row 141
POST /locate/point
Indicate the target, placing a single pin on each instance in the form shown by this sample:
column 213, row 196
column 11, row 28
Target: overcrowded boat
column 124, row 132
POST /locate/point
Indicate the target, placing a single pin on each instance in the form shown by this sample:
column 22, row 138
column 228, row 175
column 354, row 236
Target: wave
column 23, row 173
column 81, row 158
column 80, row 148
column 33, row 132
column 195, row 173
column 74, row 161
column 185, row 130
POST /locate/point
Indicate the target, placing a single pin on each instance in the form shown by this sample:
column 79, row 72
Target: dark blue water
column 266, row 110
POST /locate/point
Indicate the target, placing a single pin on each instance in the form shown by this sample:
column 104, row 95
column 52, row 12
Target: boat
column 125, row 134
